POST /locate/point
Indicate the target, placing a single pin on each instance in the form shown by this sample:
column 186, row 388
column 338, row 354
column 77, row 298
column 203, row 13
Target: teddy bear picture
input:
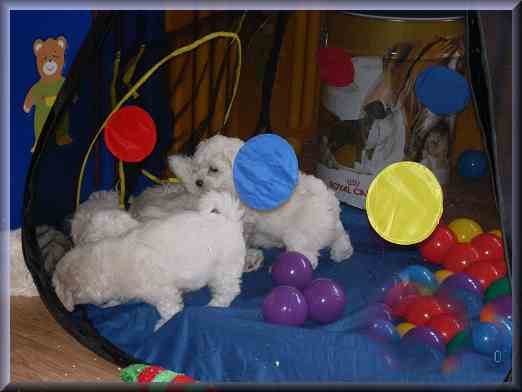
column 50, row 59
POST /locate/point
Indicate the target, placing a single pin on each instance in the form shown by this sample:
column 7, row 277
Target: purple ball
column 285, row 305
column 292, row 269
column 460, row 280
column 425, row 335
column 503, row 306
column 326, row 300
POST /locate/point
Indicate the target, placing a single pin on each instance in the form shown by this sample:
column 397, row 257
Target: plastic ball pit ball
column 483, row 272
column 447, row 325
column 496, row 232
column 421, row 310
column 292, row 269
column 435, row 247
column 472, row 164
column 460, row 341
column 489, row 246
column 468, row 302
column 461, row 280
column 460, row 256
column 326, row 300
column 422, row 347
column 425, row 335
column 500, row 266
column 498, row 289
column 499, row 308
column 450, row 304
column 403, row 328
column 399, row 298
column 421, row 277
column 441, row 275
column 285, row 305
column 382, row 330
column 465, row 229
column 488, row 338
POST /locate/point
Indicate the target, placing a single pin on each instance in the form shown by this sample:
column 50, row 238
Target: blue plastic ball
column 489, row 338
column 472, row 164
column 419, row 275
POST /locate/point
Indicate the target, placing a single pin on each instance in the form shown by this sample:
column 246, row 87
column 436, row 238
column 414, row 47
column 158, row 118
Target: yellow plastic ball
column 403, row 328
column 496, row 232
column 465, row 229
column 441, row 275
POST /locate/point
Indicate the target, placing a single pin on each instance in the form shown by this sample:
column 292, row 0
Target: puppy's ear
column 231, row 149
column 183, row 168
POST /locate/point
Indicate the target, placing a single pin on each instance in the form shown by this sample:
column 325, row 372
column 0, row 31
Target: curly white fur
column 308, row 222
column 160, row 260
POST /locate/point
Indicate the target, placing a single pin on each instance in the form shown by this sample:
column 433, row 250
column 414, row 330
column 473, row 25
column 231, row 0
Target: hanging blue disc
column 265, row 172
column 442, row 90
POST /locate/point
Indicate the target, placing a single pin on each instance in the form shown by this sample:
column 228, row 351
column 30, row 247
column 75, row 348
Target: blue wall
column 26, row 27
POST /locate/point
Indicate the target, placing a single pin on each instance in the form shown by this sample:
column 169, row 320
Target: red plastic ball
column 435, row 247
column 422, row 309
column 451, row 306
column 500, row 266
column 130, row 134
column 489, row 246
column 460, row 256
column 484, row 272
column 399, row 297
column 446, row 325
column 335, row 66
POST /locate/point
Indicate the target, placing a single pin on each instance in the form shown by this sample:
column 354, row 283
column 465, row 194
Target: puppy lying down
column 157, row 261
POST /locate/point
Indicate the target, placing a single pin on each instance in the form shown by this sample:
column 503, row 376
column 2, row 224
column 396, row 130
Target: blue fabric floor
column 236, row 345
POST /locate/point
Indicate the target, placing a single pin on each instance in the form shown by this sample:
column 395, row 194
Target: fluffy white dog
column 100, row 215
column 159, row 260
column 306, row 223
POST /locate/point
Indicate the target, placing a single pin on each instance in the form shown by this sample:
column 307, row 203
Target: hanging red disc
column 130, row 134
column 335, row 66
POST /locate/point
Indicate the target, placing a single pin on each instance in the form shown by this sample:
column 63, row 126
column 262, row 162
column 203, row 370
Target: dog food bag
column 391, row 89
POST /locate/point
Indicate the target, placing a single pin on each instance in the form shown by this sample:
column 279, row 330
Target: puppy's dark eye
column 213, row 169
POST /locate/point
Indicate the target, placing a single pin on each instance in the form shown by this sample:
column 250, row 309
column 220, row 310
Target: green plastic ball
column 460, row 341
column 498, row 288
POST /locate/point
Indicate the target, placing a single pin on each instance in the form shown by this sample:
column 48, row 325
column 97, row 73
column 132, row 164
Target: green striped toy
column 144, row 374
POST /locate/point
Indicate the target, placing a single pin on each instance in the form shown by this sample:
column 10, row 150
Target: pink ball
column 292, row 269
column 326, row 300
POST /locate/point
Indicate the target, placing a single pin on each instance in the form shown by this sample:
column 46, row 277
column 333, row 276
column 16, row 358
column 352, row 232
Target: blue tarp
column 235, row 344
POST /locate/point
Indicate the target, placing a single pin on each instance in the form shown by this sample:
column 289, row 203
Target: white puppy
column 159, row 260
column 100, row 215
column 308, row 222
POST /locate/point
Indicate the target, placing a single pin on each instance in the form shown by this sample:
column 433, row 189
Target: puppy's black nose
column 199, row 182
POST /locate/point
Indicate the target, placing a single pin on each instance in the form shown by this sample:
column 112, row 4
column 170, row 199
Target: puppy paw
column 341, row 249
column 160, row 323
column 253, row 260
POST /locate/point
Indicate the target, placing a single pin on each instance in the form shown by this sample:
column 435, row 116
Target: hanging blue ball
column 266, row 172
column 442, row 90
column 472, row 164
